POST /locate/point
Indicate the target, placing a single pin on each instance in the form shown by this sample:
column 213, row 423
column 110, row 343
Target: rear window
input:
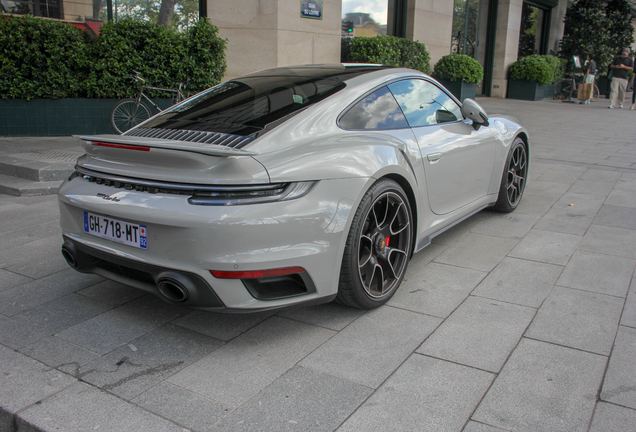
column 255, row 103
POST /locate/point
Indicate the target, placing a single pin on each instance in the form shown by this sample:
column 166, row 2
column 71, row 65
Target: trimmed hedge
column 48, row 59
column 456, row 67
column 387, row 50
column 41, row 58
column 558, row 65
column 533, row 68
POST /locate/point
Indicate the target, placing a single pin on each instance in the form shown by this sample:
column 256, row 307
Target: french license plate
column 116, row 230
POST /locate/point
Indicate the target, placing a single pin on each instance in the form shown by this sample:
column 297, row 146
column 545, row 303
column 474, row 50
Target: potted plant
column 528, row 78
column 459, row 74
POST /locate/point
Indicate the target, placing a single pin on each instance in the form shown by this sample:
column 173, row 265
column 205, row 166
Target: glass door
column 470, row 36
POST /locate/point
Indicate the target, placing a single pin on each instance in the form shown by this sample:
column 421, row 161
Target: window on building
column 465, row 27
column 532, row 30
column 179, row 14
column 374, row 17
column 40, row 8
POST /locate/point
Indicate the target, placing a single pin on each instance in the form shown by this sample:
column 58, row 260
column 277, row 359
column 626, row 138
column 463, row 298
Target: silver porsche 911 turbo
column 294, row 185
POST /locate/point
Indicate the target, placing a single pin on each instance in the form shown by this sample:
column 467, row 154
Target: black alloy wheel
column 513, row 182
column 378, row 248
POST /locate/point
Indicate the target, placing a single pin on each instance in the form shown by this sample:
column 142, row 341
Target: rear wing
column 145, row 144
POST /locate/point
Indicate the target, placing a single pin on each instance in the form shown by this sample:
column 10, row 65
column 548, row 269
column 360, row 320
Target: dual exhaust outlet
column 171, row 285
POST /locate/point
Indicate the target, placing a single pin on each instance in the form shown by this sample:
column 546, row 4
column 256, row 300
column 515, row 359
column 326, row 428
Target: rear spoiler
column 147, row 143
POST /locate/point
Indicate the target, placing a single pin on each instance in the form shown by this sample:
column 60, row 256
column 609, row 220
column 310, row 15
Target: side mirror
column 473, row 111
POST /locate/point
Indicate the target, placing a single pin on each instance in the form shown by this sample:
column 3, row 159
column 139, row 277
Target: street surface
column 518, row 322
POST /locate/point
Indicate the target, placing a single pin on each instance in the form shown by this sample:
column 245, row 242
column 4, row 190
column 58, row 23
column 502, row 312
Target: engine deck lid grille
column 207, row 143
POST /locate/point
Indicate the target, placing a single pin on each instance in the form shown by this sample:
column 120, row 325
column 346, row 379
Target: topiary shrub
column 391, row 51
column 532, row 68
column 458, row 67
column 558, row 66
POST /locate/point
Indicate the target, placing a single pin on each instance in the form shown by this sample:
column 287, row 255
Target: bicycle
column 567, row 89
column 129, row 112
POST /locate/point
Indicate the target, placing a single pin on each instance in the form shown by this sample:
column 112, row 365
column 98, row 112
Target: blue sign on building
column 311, row 9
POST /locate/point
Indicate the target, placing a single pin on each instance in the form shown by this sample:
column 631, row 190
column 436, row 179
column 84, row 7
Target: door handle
column 434, row 157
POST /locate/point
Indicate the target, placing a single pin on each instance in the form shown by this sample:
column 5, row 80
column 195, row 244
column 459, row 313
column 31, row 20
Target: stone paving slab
column 249, row 363
column 438, row 291
column 578, row 319
column 371, row 348
column 423, row 392
column 481, row 333
column 522, row 282
column 598, row 273
column 612, row 418
column 301, row 399
column 83, row 408
column 619, row 386
column 543, row 387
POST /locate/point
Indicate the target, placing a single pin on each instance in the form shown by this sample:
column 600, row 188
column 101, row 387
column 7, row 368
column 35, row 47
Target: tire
column 513, row 181
column 378, row 247
column 565, row 91
column 595, row 93
column 127, row 113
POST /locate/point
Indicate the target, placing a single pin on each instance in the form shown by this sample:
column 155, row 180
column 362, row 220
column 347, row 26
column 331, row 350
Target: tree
column 587, row 30
column 166, row 12
column 620, row 27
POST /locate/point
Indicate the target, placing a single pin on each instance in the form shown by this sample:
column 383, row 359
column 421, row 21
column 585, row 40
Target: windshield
column 255, row 103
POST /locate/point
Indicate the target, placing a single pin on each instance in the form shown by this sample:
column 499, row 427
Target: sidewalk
column 517, row 322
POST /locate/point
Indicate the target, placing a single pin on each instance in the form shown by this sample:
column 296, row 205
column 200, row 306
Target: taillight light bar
column 120, row 146
column 254, row 274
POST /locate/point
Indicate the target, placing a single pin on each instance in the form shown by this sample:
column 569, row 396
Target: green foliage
column 533, row 68
column 345, row 50
column 455, row 67
column 48, row 59
column 391, row 51
column 587, row 30
column 40, row 58
column 621, row 30
column 558, row 65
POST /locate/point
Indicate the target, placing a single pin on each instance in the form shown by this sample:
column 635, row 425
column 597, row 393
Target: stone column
column 264, row 34
column 431, row 22
column 506, row 44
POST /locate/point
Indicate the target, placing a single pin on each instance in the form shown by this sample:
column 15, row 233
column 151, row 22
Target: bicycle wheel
column 595, row 93
column 564, row 89
column 127, row 113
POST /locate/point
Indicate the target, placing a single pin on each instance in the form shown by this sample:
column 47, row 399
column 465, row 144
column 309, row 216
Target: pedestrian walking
column 590, row 74
column 620, row 69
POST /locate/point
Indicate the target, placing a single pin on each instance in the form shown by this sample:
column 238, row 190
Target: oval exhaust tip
column 172, row 290
column 69, row 257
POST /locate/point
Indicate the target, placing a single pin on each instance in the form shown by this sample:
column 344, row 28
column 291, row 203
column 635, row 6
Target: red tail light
column 120, row 146
column 256, row 273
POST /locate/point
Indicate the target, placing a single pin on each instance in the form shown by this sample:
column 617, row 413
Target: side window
column 424, row 103
column 379, row 110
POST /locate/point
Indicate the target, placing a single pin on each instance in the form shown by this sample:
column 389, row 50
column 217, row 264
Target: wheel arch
column 410, row 195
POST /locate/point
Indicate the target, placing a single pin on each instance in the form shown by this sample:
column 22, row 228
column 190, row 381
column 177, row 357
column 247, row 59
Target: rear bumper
column 187, row 242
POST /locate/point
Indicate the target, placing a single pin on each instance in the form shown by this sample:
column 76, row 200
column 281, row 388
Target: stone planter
column 51, row 117
column 460, row 89
column 527, row 90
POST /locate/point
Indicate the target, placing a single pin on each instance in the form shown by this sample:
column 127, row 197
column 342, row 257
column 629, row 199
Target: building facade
column 269, row 33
